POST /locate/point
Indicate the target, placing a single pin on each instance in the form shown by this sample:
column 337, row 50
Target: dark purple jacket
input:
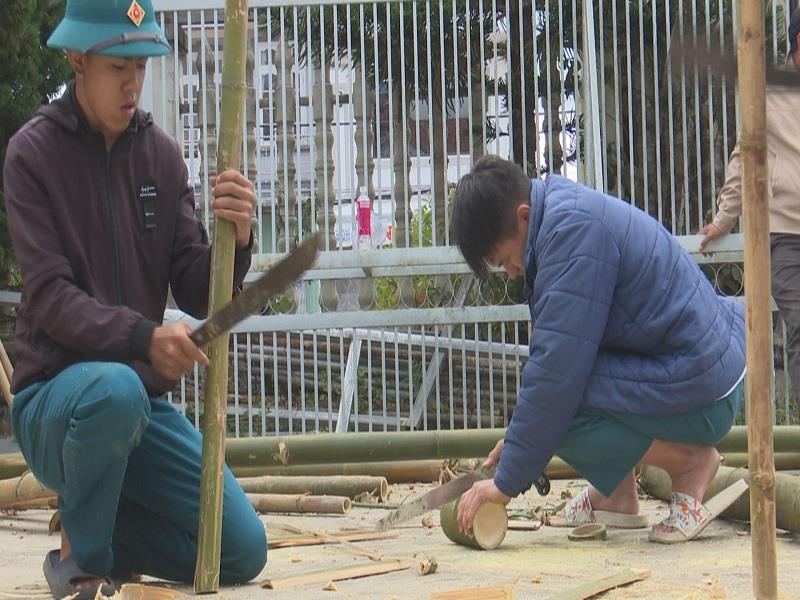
column 100, row 236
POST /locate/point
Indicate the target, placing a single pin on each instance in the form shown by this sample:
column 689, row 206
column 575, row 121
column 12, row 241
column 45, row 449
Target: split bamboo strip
column 332, row 485
column 505, row 592
column 22, row 489
column 787, row 494
column 292, row 541
column 138, row 591
column 351, row 572
column 593, row 588
column 299, row 503
column 758, row 312
column 12, row 465
column 229, row 155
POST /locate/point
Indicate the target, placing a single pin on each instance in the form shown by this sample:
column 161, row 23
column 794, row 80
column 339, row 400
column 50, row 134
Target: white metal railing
column 401, row 97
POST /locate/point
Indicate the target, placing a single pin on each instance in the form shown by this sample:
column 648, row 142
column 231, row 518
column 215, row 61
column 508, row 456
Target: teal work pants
column 126, row 467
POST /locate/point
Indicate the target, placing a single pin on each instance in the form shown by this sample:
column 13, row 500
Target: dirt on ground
column 538, row 564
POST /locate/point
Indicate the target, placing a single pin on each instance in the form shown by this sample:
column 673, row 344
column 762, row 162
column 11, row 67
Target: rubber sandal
column 688, row 517
column 60, row 576
column 578, row 511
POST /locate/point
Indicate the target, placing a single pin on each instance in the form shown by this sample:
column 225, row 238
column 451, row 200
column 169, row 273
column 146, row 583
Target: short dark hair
column 485, row 205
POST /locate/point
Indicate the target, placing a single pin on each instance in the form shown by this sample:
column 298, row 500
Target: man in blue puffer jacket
column 633, row 356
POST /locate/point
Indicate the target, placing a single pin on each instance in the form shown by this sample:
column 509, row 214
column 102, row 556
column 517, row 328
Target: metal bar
column 431, row 165
column 432, row 371
column 657, row 104
column 629, row 70
column 404, row 114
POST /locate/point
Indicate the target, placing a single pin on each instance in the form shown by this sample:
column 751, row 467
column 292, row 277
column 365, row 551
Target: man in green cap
column 102, row 218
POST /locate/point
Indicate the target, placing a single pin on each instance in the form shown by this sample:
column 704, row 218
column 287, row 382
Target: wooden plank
column 315, row 540
column 505, row 592
column 598, row 586
column 324, row 576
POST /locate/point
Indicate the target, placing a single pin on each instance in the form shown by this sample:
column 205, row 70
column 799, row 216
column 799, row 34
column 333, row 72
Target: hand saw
column 446, row 493
column 255, row 296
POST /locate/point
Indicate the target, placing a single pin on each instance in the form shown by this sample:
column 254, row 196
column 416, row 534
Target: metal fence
column 400, row 98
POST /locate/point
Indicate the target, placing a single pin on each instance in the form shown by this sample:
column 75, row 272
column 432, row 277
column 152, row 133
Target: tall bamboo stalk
column 758, row 318
column 229, row 155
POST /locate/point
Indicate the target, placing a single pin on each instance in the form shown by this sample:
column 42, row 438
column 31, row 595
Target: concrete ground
column 539, row 563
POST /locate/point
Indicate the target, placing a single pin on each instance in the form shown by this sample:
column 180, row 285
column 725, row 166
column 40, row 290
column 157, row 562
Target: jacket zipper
column 113, row 218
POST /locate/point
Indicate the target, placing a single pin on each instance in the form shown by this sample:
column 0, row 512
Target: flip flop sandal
column 688, row 517
column 62, row 575
column 578, row 511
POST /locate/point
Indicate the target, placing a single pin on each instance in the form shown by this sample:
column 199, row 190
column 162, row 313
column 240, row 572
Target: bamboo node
column 764, row 480
column 282, row 455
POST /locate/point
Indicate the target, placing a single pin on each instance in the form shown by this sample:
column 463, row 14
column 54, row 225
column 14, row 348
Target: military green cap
column 124, row 28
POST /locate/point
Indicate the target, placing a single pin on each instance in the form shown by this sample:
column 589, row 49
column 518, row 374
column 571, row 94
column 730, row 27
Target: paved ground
column 718, row 565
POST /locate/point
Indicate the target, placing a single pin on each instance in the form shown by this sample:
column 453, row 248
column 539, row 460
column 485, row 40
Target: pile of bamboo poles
column 302, row 464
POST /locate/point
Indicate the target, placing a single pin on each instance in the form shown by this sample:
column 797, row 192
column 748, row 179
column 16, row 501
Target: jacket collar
column 67, row 112
column 537, row 214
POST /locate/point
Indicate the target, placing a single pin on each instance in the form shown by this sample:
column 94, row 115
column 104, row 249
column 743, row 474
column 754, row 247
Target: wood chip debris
column 427, row 565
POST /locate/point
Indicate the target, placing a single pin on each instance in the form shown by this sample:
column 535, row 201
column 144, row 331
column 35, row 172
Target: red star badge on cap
column 136, row 13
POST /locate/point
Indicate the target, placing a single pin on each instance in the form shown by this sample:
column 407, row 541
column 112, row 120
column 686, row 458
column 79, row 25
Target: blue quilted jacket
column 623, row 319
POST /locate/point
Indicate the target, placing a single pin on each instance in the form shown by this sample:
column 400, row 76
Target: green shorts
column 605, row 445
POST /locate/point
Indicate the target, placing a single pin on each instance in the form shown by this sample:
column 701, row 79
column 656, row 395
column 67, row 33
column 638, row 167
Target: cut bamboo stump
column 22, row 491
column 787, row 494
column 334, row 485
column 298, row 503
column 488, row 529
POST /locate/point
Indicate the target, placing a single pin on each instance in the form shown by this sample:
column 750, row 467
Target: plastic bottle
column 364, row 218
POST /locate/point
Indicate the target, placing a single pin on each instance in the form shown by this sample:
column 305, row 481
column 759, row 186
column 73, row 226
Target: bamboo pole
column 333, row 448
column 758, row 317
column 22, row 490
column 413, row 471
column 325, row 448
column 787, row 494
column 229, row 155
column 331, row 485
column 12, row 465
column 300, row 503
column 786, row 439
column 397, row 471
column 784, row 461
